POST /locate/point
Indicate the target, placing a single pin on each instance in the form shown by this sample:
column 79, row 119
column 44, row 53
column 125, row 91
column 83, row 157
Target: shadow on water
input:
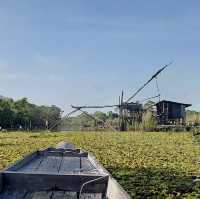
column 42, row 135
column 7, row 144
column 156, row 183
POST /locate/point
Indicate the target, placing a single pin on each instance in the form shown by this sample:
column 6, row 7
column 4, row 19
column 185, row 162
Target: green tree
column 21, row 113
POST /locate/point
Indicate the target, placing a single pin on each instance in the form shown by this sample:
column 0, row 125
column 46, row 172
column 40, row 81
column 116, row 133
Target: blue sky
column 86, row 51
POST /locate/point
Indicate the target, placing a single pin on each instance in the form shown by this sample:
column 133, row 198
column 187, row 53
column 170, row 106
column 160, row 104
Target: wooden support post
column 1, row 182
column 80, row 163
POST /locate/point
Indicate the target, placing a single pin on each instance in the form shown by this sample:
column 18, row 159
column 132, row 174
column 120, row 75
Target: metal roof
column 178, row 103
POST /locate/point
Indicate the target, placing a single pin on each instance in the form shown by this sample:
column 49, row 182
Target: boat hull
column 55, row 173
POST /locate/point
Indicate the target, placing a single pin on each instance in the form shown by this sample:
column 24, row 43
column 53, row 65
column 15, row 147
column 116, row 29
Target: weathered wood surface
column 70, row 153
column 59, row 173
column 63, row 194
column 32, row 166
column 49, row 164
column 14, row 194
column 26, row 160
column 55, row 164
column 42, row 182
column 91, row 196
column 74, row 165
column 51, row 195
column 47, row 195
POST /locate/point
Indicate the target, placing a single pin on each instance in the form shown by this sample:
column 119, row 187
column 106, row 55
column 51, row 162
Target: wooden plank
column 47, row 195
column 64, row 195
column 39, row 195
column 59, row 153
column 52, row 173
column 52, row 153
column 20, row 163
column 50, row 164
column 33, row 165
column 42, row 182
column 87, row 165
column 63, row 150
column 97, row 164
column 91, row 196
column 75, row 154
column 65, row 153
column 14, row 194
column 70, row 164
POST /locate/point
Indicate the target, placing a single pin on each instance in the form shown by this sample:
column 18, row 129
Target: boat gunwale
column 113, row 188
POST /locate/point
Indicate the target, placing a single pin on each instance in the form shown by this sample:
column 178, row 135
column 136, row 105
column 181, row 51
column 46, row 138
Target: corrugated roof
column 179, row 103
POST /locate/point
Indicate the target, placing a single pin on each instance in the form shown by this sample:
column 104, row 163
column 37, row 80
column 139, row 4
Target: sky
column 84, row 52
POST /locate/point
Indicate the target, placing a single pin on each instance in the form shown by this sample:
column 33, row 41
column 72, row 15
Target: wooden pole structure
column 122, row 114
column 124, row 106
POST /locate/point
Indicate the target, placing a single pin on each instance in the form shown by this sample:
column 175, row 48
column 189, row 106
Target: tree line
column 23, row 115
